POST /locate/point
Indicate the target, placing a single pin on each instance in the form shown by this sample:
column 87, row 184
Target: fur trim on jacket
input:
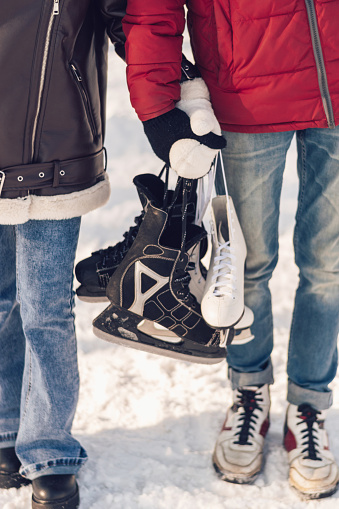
column 62, row 206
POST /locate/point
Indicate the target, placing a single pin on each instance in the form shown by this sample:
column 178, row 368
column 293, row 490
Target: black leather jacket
column 53, row 59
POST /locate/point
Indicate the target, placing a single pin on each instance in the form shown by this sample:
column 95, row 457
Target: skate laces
column 181, row 276
column 194, row 265
column 248, row 402
column 224, row 276
column 310, row 435
column 114, row 254
column 224, row 270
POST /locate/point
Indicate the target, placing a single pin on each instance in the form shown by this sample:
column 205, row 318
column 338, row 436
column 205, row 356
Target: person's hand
column 189, row 136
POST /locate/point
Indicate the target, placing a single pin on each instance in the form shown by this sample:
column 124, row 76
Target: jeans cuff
column 298, row 395
column 241, row 379
column 57, row 466
column 8, row 439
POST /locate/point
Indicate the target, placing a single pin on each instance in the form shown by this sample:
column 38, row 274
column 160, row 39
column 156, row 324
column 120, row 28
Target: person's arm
column 154, row 31
column 187, row 136
column 112, row 12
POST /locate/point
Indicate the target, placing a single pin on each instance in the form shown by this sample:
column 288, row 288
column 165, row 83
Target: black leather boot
column 55, row 492
column 9, row 470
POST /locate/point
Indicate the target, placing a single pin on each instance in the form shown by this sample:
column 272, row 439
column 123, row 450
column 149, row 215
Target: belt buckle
column 2, row 181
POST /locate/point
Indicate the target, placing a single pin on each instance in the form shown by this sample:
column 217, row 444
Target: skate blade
column 120, row 326
column 157, row 331
column 86, row 296
column 92, row 300
column 242, row 336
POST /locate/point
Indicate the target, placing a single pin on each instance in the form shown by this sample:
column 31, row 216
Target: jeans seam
column 302, row 187
column 62, row 462
column 29, row 386
column 296, row 229
column 8, row 437
column 16, row 267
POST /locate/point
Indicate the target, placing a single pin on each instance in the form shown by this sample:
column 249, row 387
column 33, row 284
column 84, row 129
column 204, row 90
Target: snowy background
column 149, row 423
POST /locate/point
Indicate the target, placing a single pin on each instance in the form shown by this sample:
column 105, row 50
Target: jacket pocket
column 85, row 98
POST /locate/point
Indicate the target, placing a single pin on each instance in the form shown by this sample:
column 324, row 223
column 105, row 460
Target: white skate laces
column 224, row 278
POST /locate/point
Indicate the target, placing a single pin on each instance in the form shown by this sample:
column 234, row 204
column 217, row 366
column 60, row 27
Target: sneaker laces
column 115, row 254
column 248, row 401
column 310, row 438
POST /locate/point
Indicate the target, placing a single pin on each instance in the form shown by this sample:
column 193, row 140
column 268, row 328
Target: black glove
column 173, row 140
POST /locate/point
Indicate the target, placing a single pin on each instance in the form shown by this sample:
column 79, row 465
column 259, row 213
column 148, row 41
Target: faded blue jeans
column 254, row 167
column 39, row 379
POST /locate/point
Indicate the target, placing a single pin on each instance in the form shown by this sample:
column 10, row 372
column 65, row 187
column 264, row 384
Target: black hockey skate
column 151, row 307
column 94, row 272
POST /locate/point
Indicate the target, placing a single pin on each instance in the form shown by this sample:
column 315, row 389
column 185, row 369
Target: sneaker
column 238, row 453
column 223, row 301
column 313, row 470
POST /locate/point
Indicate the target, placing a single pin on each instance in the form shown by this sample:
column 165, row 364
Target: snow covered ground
column 149, row 423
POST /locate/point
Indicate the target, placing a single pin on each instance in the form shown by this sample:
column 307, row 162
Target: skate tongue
column 171, row 236
column 150, row 188
column 195, row 234
column 222, row 232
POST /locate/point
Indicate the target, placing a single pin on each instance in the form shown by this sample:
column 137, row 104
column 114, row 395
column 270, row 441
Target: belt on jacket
column 71, row 172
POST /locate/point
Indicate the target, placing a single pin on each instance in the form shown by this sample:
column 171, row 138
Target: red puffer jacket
column 269, row 65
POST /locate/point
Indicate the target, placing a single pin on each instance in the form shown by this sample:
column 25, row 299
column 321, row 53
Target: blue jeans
column 254, row 166
column 39, row 379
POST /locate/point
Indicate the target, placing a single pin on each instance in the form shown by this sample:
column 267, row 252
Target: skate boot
column 223, row 300
column 93, row 273
column 238, row 452
column 151, row 284
column 313, row 470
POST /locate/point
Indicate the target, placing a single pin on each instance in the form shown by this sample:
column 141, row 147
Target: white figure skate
column 222, row 304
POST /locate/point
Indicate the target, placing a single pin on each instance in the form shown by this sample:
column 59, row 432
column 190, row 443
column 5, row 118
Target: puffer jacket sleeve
column 113, row 12
column 154, row 31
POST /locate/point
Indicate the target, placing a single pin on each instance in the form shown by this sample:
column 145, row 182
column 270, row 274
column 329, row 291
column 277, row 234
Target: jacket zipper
column 55, row 12
column 319, row 59
column 85, row 98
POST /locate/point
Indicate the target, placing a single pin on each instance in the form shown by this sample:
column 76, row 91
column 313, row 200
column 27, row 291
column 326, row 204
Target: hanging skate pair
column 152, row 307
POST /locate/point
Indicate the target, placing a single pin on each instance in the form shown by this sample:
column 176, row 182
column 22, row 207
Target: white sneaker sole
column 231, row 477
